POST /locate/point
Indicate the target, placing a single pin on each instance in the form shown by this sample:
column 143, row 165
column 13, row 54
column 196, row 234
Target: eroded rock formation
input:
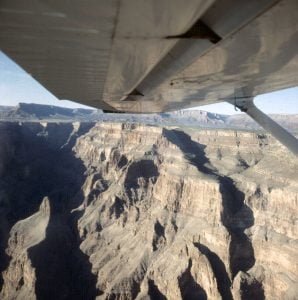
column 125, row 211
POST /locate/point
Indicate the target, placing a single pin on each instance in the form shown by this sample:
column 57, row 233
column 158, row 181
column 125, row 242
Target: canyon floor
column 128, row 211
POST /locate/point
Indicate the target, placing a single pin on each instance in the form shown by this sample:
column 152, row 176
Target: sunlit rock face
column 126, row 211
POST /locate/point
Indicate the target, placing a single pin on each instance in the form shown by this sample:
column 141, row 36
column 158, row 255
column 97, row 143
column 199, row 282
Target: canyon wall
column 127, row 211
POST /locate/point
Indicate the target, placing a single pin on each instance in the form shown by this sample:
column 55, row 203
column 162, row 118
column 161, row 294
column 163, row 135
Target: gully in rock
column 241, row 252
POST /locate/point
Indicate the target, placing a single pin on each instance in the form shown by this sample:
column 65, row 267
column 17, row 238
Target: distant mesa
column 32, row 111
column 27, row 112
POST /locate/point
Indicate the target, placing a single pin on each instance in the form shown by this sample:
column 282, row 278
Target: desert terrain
column 131, row 211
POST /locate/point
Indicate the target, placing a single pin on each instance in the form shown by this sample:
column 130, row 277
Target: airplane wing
column 157, row 55
column 153, row 55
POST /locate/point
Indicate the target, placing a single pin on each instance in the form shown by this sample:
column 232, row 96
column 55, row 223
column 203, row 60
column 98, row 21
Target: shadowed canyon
column 128, row 211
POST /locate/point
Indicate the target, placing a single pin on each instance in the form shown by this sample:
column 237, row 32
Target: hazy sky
column 18, row 86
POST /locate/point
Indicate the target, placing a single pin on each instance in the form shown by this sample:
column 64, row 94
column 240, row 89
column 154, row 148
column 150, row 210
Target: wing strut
column 287, row 139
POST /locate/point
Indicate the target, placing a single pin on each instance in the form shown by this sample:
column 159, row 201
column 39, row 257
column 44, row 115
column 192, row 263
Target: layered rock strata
column 126, row 211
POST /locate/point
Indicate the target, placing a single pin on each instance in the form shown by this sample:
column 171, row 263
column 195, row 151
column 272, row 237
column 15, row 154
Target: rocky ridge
column 127, row 211
column 26, row 112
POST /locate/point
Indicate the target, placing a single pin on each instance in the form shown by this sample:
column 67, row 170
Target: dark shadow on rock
column 252, row 290
column 236, row 215
column 159, row 229
column 84, row 128
column 219, row 271
column 24, row 178
column 154, row 292
column 117, row 208
column 143, row 169
column 159, row 235
column 39, row 167
column 193, row 152
column 63, row 271
column 189, row 288
column 140, row 169
column 4, row 261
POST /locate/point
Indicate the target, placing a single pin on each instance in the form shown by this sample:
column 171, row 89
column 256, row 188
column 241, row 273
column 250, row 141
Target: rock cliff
column 127, row 211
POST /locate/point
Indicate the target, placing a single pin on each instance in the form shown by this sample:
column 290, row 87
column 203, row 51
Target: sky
column 18, row 86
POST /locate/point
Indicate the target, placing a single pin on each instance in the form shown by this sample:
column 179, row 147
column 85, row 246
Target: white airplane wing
column 154, row 55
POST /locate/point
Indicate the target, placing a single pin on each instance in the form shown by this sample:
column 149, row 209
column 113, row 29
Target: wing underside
column 153, row 55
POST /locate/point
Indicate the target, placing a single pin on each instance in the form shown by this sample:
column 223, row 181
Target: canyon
column 103, row 210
